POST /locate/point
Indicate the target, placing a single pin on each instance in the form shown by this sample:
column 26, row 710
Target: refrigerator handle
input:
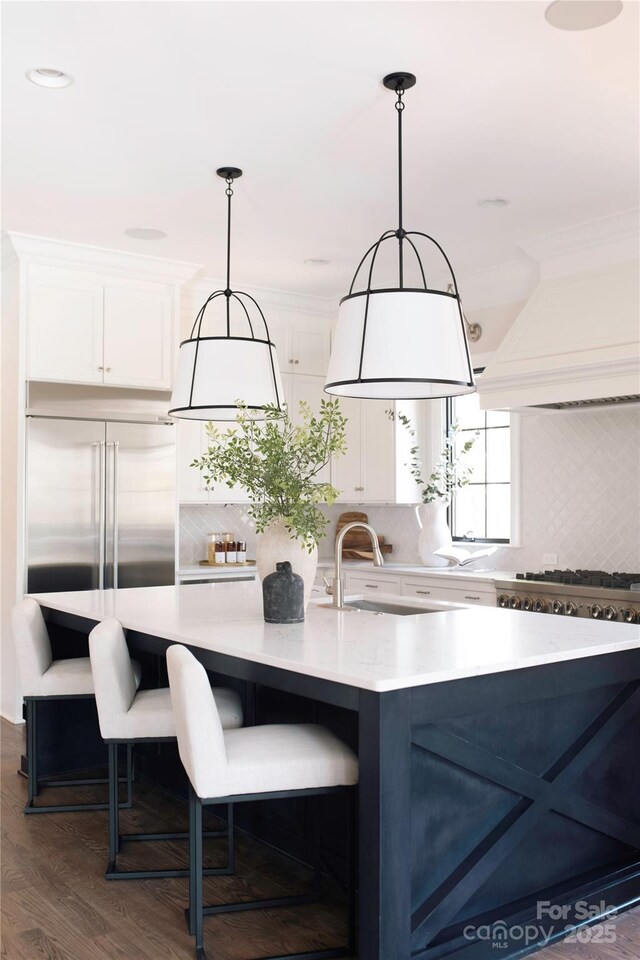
column 114, row 494
column 102, row 509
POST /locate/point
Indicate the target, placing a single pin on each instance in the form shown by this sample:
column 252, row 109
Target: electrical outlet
column 551, row 558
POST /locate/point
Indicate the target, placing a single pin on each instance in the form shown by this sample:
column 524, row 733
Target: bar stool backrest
column 199, row 730
column 33, row 647
column 114, row 681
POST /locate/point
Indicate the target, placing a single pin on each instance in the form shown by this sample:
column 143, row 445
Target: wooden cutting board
column 356, row 544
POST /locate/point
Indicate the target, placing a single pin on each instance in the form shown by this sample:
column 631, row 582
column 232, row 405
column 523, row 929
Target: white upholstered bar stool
column 43, row 678
column 256, row 763
column 128, row 716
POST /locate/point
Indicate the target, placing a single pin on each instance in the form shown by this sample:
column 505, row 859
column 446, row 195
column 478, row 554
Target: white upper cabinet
column 310, row 390
column 191, row 443
column 138, row 335
column 86, row 327
column 366, row 473
column 302, row 347
column 65, row 325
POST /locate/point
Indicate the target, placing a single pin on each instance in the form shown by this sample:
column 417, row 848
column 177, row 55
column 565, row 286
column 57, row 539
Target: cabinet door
column 378, row 452
column 191, row 443
column 281, row 337
column 370, row 586
column 347, row 470
column 65, row 325
column 309, row 389
column 309, row 352
column 138, row 335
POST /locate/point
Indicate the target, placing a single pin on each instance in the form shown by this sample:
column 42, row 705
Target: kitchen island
column 499, row 783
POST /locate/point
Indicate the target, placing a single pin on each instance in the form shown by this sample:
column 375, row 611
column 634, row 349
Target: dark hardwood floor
column 56, row 904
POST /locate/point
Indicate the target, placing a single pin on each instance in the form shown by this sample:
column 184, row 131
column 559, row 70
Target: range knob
column 540, row 605
column 527, row 603
column 596, row 611
column 557, row 606
column 503, row 600
column 570, row 608
column 610, row 613
column 629, row 615
column 514, row 602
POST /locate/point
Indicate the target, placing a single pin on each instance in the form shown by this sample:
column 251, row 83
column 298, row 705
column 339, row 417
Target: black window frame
column 507, row 483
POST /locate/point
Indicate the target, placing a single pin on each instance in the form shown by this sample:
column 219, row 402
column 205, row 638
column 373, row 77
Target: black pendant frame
column 229, row 174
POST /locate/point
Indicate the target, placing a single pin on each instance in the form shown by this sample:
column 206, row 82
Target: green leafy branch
column 277, row 462
column 450, row 471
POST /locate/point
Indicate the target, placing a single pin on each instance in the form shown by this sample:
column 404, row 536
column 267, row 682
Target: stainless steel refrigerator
column 100, row 504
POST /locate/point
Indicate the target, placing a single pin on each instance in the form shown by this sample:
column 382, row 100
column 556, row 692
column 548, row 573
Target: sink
column 380, row 606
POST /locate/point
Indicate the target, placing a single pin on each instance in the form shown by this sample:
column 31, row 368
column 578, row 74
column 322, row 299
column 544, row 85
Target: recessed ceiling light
column 582, row 14
column 145, row 233
column 494, row 202
column 316, row 262
column 48, row 77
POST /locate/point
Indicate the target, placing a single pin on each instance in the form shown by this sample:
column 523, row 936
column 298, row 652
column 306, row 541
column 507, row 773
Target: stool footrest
column 115, row 873
column 65, row 807
column 132, row 837
column 296, row 899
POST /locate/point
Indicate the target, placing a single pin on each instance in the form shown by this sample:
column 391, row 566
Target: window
column 481, row 511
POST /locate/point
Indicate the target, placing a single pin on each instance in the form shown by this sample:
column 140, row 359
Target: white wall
column 10, row 507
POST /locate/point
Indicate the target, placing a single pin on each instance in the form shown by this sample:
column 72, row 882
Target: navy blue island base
column 495, row 812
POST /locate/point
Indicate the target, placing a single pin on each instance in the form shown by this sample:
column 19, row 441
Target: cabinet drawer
column 357, row 583
column 430, row 590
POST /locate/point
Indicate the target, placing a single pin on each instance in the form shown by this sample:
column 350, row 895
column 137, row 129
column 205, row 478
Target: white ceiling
column 165, row 92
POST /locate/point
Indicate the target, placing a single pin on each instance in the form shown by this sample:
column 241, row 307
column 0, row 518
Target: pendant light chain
column 400, row 233
column 227, row 292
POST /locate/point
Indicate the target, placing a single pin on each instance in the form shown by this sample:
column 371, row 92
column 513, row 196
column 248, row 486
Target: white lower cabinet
column 361, row 583
column 479, row 592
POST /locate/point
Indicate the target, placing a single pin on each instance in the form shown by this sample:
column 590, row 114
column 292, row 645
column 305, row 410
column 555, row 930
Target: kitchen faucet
column 338, row 578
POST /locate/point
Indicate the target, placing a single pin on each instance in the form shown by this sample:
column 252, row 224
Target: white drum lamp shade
column 232, row 370
column 403, row 344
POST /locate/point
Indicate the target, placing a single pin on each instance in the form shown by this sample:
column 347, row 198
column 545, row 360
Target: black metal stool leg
column 352, row 874
column 114, row 840
column 32, row 752
column 129, row 802
column 196, row 912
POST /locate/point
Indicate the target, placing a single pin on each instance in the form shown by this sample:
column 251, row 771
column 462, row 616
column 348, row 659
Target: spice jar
column 220, row 552
column 211, row 547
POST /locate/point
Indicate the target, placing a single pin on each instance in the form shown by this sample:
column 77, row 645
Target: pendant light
column 400, row 342
column 216, row 372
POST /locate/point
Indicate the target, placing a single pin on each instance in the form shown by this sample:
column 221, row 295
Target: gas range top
column 586, row 578
column 578, row 593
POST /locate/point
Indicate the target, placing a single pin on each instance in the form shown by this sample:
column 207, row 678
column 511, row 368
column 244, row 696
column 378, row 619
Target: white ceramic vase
column 434, row 532
column 276, row 545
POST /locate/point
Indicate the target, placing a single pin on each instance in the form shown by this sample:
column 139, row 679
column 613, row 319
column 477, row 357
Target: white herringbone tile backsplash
column 580, row 499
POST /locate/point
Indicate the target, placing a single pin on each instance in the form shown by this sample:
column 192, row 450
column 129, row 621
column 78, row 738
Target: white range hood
column 577, row 340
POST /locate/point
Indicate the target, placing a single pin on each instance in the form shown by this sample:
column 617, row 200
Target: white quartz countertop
column 212, row 572
column 361, row 649
column 419, row 570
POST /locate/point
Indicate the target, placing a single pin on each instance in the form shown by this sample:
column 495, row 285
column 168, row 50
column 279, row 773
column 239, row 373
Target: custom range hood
column 575, row 343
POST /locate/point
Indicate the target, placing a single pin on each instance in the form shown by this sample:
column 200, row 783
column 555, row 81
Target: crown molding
column 587, row 245
column 199, row 289
column 63, row 253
